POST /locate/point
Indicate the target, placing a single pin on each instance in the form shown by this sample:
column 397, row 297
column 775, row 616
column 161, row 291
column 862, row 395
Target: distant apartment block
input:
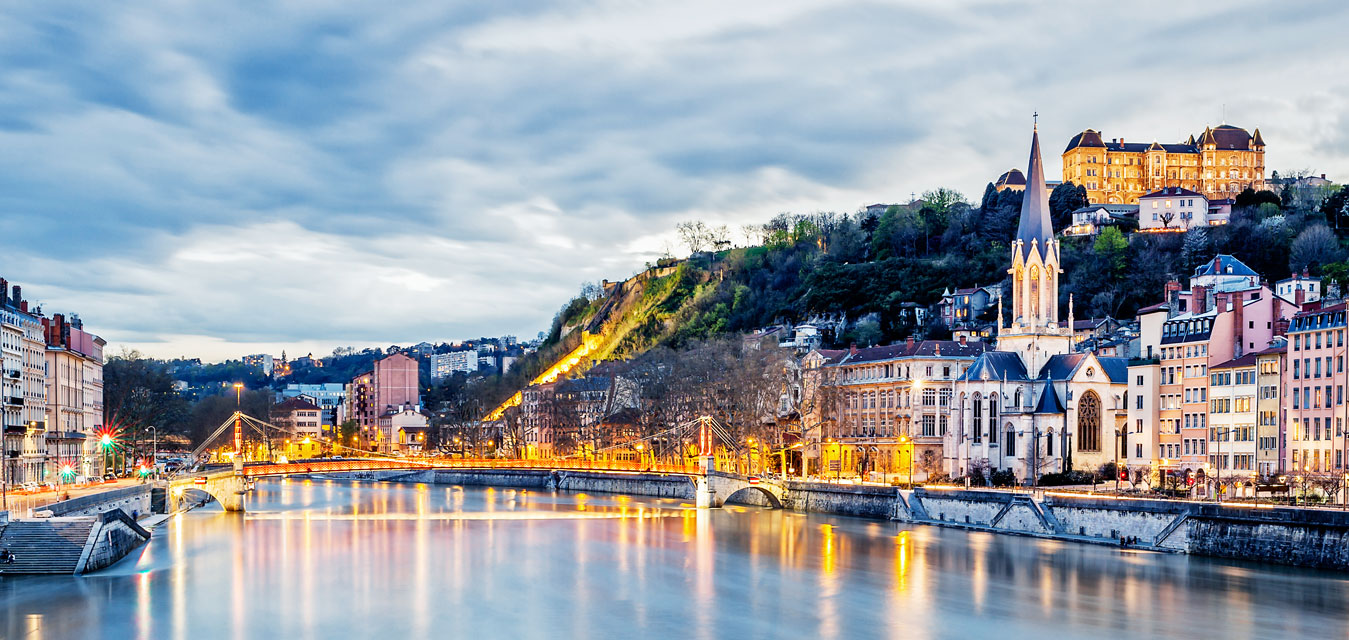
column 263, row 361
column 444, row 365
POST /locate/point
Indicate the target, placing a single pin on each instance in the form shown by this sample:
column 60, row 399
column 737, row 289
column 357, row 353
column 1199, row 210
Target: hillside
column 866, row 269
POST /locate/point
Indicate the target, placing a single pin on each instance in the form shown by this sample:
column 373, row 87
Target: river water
column 335, row 559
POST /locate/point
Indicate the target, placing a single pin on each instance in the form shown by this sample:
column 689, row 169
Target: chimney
column 23, row 305
column 908, row 343
column 1171, row 296
column 1217, row 264
column 18, row 294
column 1199, row 298
column 1323, row 176
column 1220, row 302
column 1299, row 296
column 1121, row 140
column 4, row 286
column 1239, row 328
column 962, row 339
column 852, row 349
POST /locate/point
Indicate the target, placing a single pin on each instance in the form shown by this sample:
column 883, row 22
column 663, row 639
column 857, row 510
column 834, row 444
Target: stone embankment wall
column 859, row 501
column 1302, row 537
column 114, row 537
column 129, row 499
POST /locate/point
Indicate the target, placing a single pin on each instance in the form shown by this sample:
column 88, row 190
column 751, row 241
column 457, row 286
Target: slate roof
column 1049, row 401
column 1173, row 191
column 297, row 404
column 1229, row 266
column 924, row 349
column 1013, row 177
column 996, row 365
column 1035, row 221
column 1065, row 366
column 1227, row 137
column 1247, row 360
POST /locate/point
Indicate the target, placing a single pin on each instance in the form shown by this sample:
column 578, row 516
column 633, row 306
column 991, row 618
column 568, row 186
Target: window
column 1089, row 422
column 1011, row 440
column 978, row 419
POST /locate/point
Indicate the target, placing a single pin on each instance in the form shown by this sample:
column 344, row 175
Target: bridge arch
column 739, row 495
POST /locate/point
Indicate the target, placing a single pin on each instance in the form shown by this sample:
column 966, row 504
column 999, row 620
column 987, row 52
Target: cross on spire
column 1036, row 118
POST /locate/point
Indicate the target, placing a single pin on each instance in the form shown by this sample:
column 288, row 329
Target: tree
column 1315, row 246
column 1113, row 247
column 139, row 393
column 695, row 235
column 1196, row 248
column 1063, row 201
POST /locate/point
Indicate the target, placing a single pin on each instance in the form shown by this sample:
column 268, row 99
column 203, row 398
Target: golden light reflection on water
column 383, row 560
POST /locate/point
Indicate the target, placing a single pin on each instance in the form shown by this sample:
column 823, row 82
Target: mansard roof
column 1088, row 138
column 1247, row 360
column 1224, row 265
column 996, row 365
column 1035, row 224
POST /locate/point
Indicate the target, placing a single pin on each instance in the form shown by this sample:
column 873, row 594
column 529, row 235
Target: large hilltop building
column 1034, row 406
column 1218, row 163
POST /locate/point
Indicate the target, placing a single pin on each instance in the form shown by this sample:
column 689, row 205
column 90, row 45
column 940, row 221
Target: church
column 1033, row 406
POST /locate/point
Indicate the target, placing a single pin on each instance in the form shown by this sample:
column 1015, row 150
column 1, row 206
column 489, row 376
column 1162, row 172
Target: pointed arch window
column 993, row 418
column 978, row 419
column 1089, row 422
column 1010, row 445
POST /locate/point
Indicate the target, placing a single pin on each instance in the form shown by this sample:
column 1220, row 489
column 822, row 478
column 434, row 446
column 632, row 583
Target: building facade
column 74, row 373
column 23, row 392
column 444, row 365
column 883, row 410
column 1315, row 402
column 1218, row 163
column 1233, row 415
column 1174, row 208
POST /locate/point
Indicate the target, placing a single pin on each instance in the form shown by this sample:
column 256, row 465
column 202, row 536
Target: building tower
column 1035, row 332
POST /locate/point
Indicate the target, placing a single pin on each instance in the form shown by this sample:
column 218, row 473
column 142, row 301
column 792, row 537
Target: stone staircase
column 50, row 545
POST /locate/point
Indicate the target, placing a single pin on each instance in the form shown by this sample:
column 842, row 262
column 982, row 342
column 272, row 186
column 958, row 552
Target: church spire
column 1035, row 221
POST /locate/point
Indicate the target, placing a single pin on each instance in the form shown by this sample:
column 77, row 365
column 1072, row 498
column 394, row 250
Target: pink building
column 396, row 386
column 1315, row 402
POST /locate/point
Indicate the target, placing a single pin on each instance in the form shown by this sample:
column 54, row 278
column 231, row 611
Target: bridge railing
column 567, row 464
column 319, row 466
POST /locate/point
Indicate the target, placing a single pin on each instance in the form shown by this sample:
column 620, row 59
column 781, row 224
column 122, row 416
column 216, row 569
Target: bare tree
column 694, row 234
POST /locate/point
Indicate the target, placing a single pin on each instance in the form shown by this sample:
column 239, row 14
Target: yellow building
column 1220, row 163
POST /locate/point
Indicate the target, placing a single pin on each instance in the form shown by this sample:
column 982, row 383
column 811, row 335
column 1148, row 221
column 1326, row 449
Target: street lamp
column 905, row 439
column 154, row 449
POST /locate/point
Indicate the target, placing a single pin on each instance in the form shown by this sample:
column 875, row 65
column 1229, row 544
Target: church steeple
column 1035, row 224
column 1035, row 331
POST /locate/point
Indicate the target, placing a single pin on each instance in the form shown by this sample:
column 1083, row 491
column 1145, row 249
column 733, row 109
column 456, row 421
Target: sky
column 219, row 179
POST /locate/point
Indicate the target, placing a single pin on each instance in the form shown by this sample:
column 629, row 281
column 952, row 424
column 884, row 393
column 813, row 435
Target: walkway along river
column 333, row 559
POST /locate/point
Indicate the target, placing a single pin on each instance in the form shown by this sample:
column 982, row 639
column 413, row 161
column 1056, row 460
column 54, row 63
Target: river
column 336, row 559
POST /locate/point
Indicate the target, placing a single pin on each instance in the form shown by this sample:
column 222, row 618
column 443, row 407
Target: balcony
column 16, row 401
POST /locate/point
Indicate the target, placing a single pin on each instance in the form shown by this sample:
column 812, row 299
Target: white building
column 444, row 365
column 1232, row 418
column 1289, row 287
column 24, row 391
column 263, row 361
column 1174, row 208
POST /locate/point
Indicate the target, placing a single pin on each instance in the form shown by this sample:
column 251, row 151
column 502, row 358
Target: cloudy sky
column 217, row 179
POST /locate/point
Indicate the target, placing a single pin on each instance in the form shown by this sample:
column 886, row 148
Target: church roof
column 1065, row 366
column 996, row 365
column 1049, row 401
column 1035, row 223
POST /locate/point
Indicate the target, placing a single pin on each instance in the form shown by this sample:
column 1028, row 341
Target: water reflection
column 334, row 559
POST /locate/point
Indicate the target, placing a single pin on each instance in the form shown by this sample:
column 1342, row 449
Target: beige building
column 74, row 391
column 880, row 409
column 1218, row 163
